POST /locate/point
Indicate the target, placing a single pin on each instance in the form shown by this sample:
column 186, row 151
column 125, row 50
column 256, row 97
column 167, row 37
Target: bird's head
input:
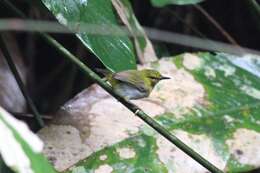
column 154, row 76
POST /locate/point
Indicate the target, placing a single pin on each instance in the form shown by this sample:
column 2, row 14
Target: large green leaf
column 233, row 91
column 230, row 108
column 89, row 18
column 20, row 148
column 144, row 160
column 160, row 3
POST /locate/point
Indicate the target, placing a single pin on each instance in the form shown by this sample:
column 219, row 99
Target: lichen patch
column 110, row 113
column 146, row 105
column 126, row 153
column 210, row 72
column 227, row 69
column 191, row 61
column 177, row 161
column 84, row 2
column 245, row 147
column 63, row 146
column 228, row 118
column 253, row 92
column 180, row 93
column 104, row 169
column 103, row 157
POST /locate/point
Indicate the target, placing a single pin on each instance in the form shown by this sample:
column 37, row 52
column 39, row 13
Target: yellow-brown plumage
column 133, row 84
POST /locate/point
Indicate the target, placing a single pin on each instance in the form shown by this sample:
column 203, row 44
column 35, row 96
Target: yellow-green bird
column 133, row 84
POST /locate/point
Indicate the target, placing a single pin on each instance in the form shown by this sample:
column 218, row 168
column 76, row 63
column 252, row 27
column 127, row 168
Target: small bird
column 133, row 84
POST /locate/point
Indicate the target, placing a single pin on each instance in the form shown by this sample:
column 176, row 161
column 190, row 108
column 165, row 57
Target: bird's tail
column 105, row 72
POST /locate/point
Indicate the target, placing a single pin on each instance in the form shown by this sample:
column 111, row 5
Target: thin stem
column 14, row 9
column 136, row 110
column 217, row 25
column 26, row 115
column 18, row 79
column 194, row 29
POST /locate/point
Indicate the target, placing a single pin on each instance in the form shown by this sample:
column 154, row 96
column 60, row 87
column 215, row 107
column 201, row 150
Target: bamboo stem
column 217, row 25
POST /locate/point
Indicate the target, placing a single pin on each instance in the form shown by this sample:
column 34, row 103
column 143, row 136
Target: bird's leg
column 136, row 112
column 130, row 104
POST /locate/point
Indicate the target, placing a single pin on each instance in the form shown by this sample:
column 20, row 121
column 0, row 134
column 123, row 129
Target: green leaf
column 233, row 94
column 20, row 149
column 91, row 19
column 144, row 48
column 230, row 108
column 144, row 160
column 161, row 3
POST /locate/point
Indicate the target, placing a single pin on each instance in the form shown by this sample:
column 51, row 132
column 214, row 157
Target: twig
column 136, row 110
column 27, row 115
column 18, row 79
column 192, row 28
column 13, row 8
column 217, row 25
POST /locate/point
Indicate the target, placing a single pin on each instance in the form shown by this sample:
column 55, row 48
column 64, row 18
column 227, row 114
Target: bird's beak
column 164, row 77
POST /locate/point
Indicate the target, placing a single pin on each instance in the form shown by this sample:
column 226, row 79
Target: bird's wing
column 131, row 78
column 105, row 72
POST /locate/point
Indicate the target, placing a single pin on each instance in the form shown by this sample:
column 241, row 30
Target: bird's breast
column 129, row 91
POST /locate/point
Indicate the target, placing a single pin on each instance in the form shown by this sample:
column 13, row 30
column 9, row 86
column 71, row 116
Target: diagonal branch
column 217, row 25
